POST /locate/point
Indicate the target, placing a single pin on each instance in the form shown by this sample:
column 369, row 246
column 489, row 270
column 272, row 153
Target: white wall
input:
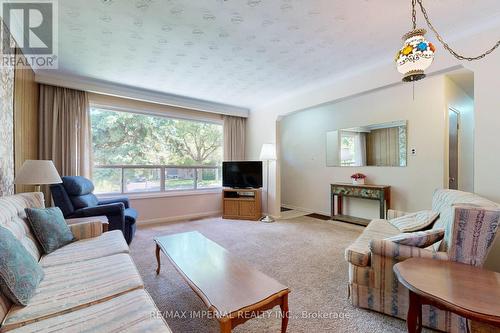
column 306, row 178
column 458, row 99
column 262, row 121
column 164, row 208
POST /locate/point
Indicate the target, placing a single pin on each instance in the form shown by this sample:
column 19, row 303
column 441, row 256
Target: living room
column 201, row 167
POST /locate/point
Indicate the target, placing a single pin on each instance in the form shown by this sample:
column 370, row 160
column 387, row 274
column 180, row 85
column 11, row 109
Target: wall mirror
column 372, row 145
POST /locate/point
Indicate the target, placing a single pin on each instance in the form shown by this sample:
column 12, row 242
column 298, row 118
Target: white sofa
column 90, row 285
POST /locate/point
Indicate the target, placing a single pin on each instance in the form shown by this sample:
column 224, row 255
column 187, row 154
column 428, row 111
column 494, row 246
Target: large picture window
column 137, row 153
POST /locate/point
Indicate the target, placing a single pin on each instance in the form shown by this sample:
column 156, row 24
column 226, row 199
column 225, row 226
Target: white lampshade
column 415, row 56
column 37, row 172
column 268, row 152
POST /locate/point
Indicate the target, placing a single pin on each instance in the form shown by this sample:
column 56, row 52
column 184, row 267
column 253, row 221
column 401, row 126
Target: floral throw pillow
column 420, row 239
column 49, row 227
column 415, row 221
column 20, row 273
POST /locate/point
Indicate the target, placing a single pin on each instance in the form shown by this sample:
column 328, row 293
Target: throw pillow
column 20, row 273
column 49, row 227
column 419, row 239
column 415, row 221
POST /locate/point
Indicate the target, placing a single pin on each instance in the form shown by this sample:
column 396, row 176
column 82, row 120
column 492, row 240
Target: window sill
column 144, row 195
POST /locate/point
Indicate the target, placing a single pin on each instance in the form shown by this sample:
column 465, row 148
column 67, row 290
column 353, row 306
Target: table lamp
column 37, row 172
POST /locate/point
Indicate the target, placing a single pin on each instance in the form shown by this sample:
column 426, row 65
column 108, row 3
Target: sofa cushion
column 474, row 231
column 420, row 239
column 131, row 312
column 49, row 227
column 84, row 201
column 77, row 185
column 20, row 273
column 13, row 217
column 358, row 253
column 67, row 288
column 443, row 202
column 415, row 221
column 109, row 243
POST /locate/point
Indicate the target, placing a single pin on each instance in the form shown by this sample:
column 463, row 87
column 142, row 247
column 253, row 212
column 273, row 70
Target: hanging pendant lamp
column 417, row 53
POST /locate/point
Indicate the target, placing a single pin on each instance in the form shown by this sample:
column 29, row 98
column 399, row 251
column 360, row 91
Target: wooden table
column 381, row 193
column 103, row 219
column 466, row 290
column 233, row 291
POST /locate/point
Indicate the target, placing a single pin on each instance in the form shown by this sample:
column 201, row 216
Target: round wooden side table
column 468, row 291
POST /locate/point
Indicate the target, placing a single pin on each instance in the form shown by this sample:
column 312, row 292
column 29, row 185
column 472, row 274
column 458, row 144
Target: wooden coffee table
column 468, row 291
column 233, row 291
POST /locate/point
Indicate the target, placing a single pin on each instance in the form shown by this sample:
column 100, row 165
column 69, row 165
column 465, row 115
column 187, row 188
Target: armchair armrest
column 107, row 209
column 389, row 249
column 123, row 200
column 86, row 230
column 392, row 214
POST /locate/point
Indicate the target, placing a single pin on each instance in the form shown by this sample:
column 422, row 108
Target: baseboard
column 169, row 219
column 307, row 210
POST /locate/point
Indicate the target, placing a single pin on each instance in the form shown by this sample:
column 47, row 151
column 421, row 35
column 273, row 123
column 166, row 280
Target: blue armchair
column 75, row 198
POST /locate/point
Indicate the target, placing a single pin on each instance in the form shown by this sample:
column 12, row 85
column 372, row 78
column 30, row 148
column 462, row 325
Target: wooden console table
column 381, row 193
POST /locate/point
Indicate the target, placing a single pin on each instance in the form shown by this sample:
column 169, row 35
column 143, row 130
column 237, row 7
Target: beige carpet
column 303, row 253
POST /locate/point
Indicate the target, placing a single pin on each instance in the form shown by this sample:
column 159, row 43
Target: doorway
column 454, row 127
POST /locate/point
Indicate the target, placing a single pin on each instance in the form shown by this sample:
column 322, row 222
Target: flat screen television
column 246, row 174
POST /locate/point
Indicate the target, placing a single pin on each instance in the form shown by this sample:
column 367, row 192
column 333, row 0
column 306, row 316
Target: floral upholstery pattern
column 49, row 227
column 443, row 202
column 418, row 239
column 474, row 231
column 469, row 231
column 20, row 274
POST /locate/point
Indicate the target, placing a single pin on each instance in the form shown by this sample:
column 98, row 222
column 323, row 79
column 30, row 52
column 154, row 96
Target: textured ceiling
column 241, row 52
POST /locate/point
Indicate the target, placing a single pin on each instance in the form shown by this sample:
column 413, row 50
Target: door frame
column 457, row 180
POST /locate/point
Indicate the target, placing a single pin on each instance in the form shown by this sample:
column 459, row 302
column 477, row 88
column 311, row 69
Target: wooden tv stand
column 241, row 204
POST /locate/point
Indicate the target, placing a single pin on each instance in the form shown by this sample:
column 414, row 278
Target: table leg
column 414, row 318
column 158, row 259
column 284, row 313
column 382, row 209
column 225, row 326
column 332, row 205
column 339, row 204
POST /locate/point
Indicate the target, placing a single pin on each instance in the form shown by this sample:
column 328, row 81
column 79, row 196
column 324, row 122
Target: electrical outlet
column 413, row 152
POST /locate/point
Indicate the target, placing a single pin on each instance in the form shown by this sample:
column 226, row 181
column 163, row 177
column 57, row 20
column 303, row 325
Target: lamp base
column 267, row 219
column 413, row 76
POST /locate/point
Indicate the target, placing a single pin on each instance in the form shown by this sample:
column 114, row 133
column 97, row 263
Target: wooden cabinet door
column 231, row 208
column 247, row 208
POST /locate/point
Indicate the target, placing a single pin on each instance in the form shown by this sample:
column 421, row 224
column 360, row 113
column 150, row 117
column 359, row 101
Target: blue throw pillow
column 49, row 228
column 20, row 273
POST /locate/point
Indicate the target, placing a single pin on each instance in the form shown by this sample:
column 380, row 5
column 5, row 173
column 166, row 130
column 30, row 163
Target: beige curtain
column 65, row 136
column 234, row 138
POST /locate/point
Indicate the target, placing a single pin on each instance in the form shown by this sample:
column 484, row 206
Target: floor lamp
column 267, row 154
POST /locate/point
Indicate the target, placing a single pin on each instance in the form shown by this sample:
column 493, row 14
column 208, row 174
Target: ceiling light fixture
column 417, row 53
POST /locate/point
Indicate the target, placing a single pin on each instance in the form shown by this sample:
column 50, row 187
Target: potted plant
column 358, row 179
